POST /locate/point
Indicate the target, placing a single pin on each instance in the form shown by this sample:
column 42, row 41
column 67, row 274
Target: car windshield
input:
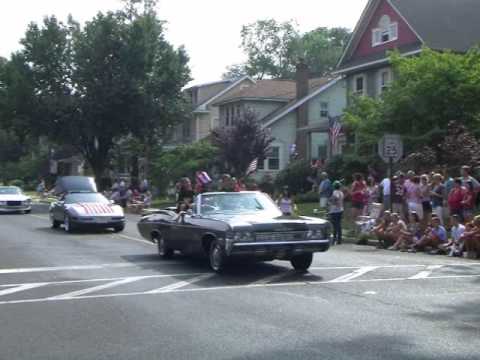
column 10, row 190
column 85, row 198
column 236, row 203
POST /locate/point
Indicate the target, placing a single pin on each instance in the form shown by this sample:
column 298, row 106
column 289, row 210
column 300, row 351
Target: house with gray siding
column 295, row 112
column 406, row 26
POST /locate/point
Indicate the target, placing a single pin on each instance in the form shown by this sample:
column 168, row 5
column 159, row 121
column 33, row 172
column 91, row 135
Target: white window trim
column 381, row 31
column 355, row 91
column 381, row 87
column 266, row 168
column 327, row 109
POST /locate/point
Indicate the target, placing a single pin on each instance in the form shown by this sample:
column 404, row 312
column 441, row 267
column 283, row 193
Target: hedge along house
column 407, row 26
column 296, row 112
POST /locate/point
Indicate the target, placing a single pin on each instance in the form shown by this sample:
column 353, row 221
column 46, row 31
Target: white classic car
column 12, row 199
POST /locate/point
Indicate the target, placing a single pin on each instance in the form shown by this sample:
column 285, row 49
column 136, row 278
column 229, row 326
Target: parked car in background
column 12, row 199
column 244, row 224
column 80, row 206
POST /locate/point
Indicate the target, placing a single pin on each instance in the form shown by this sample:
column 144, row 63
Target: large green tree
column 428, row 92
column 274, row 48
column 90, row 86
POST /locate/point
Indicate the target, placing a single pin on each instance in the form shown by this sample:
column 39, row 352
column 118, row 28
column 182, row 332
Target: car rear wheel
column 302, row 262
column 67, row 224
column 55, row 223
column 164, row 251
column 119, row 228
column 217, row 257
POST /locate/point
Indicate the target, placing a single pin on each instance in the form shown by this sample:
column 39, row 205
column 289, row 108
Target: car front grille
column 14, row 203
column 281, row 236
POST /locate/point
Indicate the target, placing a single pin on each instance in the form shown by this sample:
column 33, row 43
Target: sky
column 209, row 29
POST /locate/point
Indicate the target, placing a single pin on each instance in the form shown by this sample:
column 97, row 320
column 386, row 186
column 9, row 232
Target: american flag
column 334, row 128
column 252, row 167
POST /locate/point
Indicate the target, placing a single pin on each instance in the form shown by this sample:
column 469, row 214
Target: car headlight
column 315, row 234
column 3, row 203
column 240, row 236
column 27, row 202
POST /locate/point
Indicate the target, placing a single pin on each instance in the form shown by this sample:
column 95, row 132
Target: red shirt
column 358, row 191
column 455, row 198
column 469, row 199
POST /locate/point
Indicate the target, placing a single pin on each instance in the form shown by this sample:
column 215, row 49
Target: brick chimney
column 301, row 77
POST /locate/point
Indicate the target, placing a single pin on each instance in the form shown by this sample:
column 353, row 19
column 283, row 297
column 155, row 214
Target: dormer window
column 386, row 31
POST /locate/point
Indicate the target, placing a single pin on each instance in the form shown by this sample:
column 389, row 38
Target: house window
column 359, row 85
column 324, row 109
column 385, row 32
column 272, row 160
column 227, row 116
column 186, row 129
column 384, row 81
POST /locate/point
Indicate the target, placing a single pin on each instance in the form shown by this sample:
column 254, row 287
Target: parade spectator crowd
column 432, row 212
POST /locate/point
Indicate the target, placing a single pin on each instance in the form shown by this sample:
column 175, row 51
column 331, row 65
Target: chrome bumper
column 6, row 208
column 273, row 247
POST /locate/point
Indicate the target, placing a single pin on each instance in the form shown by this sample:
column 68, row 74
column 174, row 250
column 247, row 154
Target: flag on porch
column 334, row 130
column 252, row 167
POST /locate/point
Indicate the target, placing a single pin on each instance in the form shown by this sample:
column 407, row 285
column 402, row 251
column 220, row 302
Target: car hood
column 13, row 197
column 95, row 209
column 267, row 222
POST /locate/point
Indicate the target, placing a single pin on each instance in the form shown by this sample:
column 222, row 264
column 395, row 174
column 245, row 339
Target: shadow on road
column 239, row 272
column 463, row 316
column 371, row 347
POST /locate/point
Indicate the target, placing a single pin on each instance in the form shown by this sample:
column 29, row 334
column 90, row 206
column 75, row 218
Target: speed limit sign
column 390, row 148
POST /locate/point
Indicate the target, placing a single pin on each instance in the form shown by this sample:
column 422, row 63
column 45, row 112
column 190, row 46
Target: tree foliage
column 90, row 86
column 274, row 48
column 185, row 160
column 322, row 48
column 248, row 135
column 428, row 92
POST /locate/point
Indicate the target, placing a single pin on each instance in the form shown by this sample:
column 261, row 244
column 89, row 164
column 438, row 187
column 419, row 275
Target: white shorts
column 418, row 208
column 323, row 202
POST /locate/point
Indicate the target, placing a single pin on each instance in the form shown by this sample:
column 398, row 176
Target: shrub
column 343, row 167
column 296, row 176
column 184, row 160
column 17, row 182
column 309, row 197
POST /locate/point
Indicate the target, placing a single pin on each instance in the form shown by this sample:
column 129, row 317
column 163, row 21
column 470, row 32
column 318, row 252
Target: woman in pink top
column 414, row 196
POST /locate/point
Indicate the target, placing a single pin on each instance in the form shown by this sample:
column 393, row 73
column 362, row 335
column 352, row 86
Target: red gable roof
column 406, row 35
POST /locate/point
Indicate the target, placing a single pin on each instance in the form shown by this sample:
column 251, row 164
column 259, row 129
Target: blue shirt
column 325, row 188
column 441, row 233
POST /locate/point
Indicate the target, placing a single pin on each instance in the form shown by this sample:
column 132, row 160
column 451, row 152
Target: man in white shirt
column 386, row 191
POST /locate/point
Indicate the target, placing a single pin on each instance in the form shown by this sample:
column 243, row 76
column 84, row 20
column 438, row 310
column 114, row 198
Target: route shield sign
column 390, row 148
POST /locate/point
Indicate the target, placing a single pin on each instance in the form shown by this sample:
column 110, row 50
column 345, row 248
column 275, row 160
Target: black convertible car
column 225, row 225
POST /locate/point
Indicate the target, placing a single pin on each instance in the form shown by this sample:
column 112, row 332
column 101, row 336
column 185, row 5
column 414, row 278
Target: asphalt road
column 108, row 296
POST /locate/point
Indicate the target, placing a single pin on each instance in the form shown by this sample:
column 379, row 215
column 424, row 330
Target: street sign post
column 390, row 149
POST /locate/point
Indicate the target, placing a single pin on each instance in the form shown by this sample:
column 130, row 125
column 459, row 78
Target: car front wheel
column 55, row 223
column 302, row 262
column 67, row 224
column 217, row 257
column 164, row 251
